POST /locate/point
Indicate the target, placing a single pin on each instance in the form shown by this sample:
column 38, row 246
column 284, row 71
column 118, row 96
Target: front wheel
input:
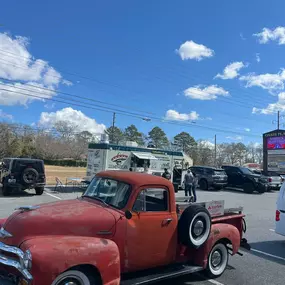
column 74, row 277
column 217, row 260
column 203, row 184
column 39, row 190
column 248, row 187
column 5, row 190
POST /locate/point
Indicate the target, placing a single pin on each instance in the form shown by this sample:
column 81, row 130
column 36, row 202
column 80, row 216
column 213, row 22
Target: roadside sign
column 215, row 208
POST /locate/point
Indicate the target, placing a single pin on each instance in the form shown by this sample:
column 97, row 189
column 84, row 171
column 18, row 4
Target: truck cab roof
column 135, row 178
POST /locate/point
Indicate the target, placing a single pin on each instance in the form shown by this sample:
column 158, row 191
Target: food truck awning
column 144, row 155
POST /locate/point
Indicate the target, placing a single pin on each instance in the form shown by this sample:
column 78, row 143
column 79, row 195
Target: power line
column 137, row 115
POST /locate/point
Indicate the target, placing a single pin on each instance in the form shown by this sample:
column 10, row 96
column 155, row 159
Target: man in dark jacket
column 166, row 174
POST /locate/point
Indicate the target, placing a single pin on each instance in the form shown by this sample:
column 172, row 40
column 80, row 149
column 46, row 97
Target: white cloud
column 192, row 50
column 205, row 93
column 67, row 82
column 16, row 63
column 4, row 115
column 272, row 108
column 176, row 116
column 278, row 35
column 247, row 129
column 242, row 37
column 268, row 81
column 206, row 143
column 235, row 138
column 257, row 57
column 231, row 70
column 76, row 118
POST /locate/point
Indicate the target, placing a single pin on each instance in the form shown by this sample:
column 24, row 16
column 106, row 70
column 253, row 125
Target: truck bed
column 182, row 204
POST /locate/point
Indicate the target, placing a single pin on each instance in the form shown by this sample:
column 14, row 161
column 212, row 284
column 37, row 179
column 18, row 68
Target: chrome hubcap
column 198, row 228
column 216, row 258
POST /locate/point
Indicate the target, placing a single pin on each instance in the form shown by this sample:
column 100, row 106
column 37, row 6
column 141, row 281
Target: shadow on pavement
column 17, row 194
column 66, row 189
column 269, row 250
column 239, row 191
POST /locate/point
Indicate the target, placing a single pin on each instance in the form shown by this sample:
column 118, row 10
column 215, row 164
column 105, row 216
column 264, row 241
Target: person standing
column 188, row 182
column 195, row 185
column 166, row 174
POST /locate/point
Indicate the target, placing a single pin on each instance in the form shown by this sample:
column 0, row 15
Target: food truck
column 106, row 156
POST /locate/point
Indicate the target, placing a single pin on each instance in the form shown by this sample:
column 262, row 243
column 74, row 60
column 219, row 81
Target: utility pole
column 113, row 126
column 278, row 120
column 215, row 150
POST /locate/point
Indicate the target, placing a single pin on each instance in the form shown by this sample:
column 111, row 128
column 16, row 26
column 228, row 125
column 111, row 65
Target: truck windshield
column 112, row 192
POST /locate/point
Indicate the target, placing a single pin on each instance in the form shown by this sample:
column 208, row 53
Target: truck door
column 151, row 232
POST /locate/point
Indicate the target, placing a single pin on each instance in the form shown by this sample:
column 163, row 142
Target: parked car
column 127, row 228
column 21, row 174
column 210, row 177
column 273, row 179
column 242, row 177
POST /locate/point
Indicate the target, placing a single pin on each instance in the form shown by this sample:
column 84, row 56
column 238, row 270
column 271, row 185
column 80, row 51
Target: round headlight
column 27, row 258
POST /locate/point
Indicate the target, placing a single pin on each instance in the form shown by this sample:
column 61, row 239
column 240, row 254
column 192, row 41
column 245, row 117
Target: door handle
column 167, row 221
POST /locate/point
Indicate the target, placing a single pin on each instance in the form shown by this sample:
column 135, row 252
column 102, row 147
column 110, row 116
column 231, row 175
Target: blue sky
column 152, row 56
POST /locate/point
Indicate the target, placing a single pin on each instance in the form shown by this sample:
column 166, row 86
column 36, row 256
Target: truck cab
column 127, row 228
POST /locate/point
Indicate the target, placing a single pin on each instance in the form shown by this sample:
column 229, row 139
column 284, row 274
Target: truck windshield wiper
column 96, row 198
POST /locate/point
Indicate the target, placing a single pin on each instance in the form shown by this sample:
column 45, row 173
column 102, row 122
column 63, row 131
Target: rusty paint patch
column 216, row 231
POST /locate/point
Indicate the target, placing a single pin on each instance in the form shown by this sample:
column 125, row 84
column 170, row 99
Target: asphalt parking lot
column 263, row 265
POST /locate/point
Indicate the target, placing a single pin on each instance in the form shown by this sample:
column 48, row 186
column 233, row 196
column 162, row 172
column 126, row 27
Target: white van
column 280, row 212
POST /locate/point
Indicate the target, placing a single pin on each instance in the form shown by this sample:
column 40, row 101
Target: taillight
column 269, row 179
column 277, row 216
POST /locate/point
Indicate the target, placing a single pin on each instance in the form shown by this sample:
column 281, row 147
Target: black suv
column 210, row 177
column 22, row 174
column 242, row 177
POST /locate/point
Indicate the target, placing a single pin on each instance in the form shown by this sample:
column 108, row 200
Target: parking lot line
column 268, row 254
column 272, row 230
column 215, row 282
column 56, row 197
column 210, row 280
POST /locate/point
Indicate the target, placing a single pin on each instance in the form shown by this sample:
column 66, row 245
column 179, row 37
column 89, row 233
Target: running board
column 153, row 276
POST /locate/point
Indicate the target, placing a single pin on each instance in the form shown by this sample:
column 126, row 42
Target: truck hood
column 79, row 217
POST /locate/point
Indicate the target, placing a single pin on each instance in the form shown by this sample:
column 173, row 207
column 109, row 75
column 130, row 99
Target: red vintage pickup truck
column 127, row 228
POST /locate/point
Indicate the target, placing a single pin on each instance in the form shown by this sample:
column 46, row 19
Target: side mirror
column 128, row 214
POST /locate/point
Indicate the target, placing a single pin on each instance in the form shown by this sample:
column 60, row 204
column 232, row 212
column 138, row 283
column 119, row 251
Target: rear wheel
column 39, row 190
column 248, row 187
column 217, row 260
column 5, row 190
column 74, row 277
column 262, row 188
column 203, row 184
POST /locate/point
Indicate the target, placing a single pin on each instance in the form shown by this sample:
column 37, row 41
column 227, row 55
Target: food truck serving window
column 142, row 155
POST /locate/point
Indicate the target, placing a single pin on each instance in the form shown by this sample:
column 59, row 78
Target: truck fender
column 223, row 232
column 53, row 255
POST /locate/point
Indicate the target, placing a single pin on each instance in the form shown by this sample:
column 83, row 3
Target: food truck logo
column 119, row 158
column 96, row 153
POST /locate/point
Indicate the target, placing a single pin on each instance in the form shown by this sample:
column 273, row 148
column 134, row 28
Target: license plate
column 11, row 180
column 23, row 282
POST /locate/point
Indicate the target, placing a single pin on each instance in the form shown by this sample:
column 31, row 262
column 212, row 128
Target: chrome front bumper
column 17, row 262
